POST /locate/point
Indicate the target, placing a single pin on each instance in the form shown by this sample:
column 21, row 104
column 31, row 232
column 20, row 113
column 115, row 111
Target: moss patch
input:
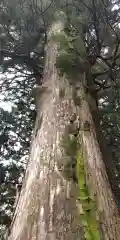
column 71, row 54
column 73, row 169
column 88, row 216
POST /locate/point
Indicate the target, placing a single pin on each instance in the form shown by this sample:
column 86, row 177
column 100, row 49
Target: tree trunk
column 47, row 205
column 47, row 208
column 96, row 176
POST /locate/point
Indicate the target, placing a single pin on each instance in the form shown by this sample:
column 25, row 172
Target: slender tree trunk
column 47, row 208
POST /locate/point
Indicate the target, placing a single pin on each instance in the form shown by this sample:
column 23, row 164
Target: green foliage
column 110, row 127
column 3, row 231
column 22, row 38
column 15, row 133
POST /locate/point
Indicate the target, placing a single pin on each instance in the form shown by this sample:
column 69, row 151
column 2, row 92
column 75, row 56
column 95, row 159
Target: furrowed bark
column 47, row 208
column 97, row 180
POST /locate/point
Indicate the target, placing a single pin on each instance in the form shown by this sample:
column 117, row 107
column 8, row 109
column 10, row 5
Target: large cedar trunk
column 47, row 208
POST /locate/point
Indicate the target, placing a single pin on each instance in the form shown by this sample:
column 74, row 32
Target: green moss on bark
column 73, row 169
column 88, row 216
column 70, row 59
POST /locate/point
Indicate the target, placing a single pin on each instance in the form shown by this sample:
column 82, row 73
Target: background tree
column 20, row 71
column 16, row 127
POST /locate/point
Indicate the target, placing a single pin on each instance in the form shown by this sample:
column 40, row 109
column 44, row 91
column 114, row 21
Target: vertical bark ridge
column 96, row 174
column 106, row 153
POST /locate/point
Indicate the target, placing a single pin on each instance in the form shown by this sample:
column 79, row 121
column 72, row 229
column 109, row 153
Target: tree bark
column 47, row 208
column 97, row 179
